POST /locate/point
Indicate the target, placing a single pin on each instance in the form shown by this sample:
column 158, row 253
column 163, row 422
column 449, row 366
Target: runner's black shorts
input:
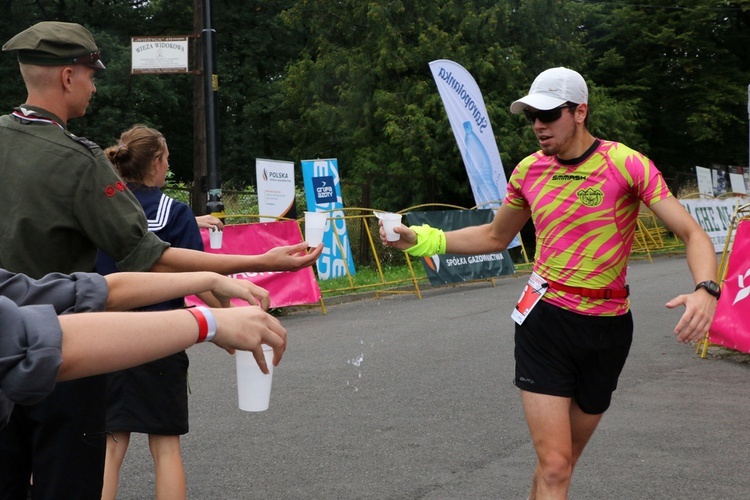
column 566, row 354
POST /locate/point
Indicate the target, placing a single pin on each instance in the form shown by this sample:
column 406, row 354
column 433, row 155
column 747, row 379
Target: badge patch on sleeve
column 110, row 191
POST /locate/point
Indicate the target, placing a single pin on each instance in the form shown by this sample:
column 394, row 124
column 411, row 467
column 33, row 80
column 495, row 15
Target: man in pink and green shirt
column 573, row 322
column 585, row 216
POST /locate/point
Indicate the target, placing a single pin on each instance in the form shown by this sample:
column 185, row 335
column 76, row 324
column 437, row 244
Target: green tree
column 306, row 79
column 253, row 49
column 684, row 69
column 362, row 90
column 122, row 99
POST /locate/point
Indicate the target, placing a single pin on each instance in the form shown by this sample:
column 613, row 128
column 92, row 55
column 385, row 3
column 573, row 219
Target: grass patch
column 369, row 279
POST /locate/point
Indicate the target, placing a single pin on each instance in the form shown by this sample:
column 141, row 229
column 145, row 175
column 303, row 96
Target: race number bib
column 532, row 293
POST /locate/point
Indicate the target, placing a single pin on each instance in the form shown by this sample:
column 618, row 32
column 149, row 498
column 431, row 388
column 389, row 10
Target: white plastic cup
column 390, row 222
column 215, row 236
column 254, row 386
column 315, row 225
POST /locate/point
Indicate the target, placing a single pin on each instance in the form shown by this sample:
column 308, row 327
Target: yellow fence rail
column 651, row 235
column 366, row 217
column 366, row 220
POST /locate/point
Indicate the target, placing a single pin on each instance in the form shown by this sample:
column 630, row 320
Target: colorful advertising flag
column 275, row 189
column 731, row 325
column 471, row 126
column 449, row 268
column 323, row 193
column 286, row 288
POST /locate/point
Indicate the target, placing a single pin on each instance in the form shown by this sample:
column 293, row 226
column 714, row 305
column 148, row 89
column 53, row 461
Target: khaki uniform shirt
column 62, row 200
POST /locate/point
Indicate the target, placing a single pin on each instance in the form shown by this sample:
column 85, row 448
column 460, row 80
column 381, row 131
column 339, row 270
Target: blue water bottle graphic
column 480, row 167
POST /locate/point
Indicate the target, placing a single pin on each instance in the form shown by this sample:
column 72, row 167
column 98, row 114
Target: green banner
column 452, row 268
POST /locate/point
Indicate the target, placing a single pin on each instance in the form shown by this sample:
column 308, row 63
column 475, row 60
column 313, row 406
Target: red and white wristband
column 206, row 323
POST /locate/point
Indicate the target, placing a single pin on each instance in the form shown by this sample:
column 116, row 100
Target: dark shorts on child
column 151, row 398
column 566, row 354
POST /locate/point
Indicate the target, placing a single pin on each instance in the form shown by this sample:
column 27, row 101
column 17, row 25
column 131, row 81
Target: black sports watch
column 711, row 287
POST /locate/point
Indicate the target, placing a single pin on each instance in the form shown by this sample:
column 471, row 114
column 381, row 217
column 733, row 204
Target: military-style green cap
column 54, row 43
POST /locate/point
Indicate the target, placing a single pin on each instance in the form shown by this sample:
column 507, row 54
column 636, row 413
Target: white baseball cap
column 553, row 88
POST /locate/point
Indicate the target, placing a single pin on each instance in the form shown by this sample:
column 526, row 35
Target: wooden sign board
column 159, row 54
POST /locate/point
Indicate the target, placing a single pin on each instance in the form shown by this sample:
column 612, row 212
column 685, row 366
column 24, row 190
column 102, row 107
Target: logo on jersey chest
column 569, row 177
column 590, row 197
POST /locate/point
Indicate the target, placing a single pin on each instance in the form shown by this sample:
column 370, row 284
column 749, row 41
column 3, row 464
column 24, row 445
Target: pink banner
column 286, row 288
column 731, row 326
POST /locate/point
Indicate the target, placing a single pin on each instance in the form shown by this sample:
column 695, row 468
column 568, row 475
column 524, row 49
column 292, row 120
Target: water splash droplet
column 357, row 361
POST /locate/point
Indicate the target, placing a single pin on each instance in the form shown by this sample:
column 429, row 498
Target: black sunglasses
column 547, row 115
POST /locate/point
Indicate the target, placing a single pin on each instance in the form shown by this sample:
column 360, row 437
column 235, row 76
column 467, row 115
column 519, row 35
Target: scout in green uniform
column 63, row 198
column 64, row 201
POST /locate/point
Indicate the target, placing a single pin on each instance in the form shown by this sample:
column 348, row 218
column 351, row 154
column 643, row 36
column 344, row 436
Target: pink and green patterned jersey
column 585, row 217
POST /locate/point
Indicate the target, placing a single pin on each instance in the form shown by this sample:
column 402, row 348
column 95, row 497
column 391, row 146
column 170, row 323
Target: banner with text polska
column 471, row 126
column 323, row 193
column 275, row 189
column 450, row 268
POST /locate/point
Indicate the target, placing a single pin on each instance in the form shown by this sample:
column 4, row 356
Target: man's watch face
column 711, row 287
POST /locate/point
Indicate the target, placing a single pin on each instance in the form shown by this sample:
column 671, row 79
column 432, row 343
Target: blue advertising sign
column 323, row 193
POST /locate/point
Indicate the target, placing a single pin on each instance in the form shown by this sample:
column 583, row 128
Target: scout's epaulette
column 82, row 140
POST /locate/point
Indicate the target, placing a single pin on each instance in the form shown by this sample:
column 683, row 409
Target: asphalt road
column 401, row 398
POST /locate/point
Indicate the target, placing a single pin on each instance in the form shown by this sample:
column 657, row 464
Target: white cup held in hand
column 315, row 224
column 215, row 236
column 390, row 222
column 254, row 386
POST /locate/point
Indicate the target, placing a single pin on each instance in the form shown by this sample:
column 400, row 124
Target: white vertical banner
column 705, row 182
column 737, row 182
column 275, row 188
column 471, row 126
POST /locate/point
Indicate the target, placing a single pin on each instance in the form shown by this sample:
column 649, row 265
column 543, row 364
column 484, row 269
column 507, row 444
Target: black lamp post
column 214, row 204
